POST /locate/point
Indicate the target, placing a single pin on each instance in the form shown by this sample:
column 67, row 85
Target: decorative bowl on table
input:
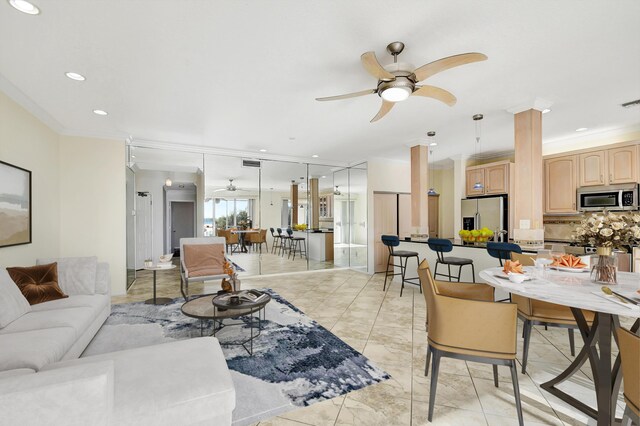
column 166, row 258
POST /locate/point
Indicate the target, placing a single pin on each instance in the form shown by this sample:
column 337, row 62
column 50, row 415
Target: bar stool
column 441, row 246
column 276, row 240
column 392, row 241
column 296, row 244
column 502, row 252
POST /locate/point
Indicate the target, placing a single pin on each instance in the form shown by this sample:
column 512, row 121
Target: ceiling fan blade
column 220, row 190
column 348, row 95
column 373, row 67
column 444, row 64
column 436, row 93
column 384, row 109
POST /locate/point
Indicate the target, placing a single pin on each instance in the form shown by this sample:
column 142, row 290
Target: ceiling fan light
column 396, row 94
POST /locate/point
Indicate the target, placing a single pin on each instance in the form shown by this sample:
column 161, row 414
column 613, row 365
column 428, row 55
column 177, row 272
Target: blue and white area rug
column 296, row 362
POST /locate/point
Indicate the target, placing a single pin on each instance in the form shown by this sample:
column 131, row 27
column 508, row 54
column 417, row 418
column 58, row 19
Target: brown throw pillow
column 39, row 283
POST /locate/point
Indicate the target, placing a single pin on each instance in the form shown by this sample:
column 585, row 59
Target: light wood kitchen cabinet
column 609, row 166
column 593, row 167
column 473, row 176
column 326, row 206
column 623, row 165
column 496, row 179
column 560, row 184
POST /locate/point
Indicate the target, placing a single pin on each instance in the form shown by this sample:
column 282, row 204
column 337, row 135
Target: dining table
column 575, row 290
column 242, row 237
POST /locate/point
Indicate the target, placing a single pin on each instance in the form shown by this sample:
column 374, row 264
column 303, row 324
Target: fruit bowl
column 476, row 236
column 166, row 258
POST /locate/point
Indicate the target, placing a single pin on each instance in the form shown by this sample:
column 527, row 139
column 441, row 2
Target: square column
column 419, row 188
column 528, row 187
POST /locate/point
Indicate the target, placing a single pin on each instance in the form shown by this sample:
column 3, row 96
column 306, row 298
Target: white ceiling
column 244, row 75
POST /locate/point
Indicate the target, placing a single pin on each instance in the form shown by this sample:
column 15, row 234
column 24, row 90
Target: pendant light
column 432, row 143
column 337, row 191
column 168, row 182
column 478, row 186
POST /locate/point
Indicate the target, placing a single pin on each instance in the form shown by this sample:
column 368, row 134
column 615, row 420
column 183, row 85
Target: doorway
column 182, row 222
column 144, row 228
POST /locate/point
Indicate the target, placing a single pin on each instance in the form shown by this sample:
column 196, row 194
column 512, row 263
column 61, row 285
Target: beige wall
column 27, row 143
column 92, row 203
column 78, row 192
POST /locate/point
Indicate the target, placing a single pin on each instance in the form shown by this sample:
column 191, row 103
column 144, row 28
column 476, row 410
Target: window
column 230, row 213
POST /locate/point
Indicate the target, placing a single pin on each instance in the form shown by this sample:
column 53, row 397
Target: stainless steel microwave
column 612, row 198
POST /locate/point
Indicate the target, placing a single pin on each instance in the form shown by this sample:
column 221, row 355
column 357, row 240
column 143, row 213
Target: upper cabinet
column 623, row 164
column 609, row 166
column 475, row 176
column 560, row 184
column 593, row 168
column 493, row 177
column 326, row 206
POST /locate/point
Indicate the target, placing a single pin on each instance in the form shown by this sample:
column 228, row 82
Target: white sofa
column 42, row 380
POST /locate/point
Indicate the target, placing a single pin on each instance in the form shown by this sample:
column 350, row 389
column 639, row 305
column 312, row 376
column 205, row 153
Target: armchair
column 471, row 330
column 202, row 259
column 629, row 344
column 258, row 238
column 536, row 312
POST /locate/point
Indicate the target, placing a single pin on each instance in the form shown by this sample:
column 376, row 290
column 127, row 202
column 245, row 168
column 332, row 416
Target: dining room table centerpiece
column 607, row 232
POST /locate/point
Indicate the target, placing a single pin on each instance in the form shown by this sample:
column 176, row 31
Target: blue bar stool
column 392, row 241
column 441, row 246
column 502, row 252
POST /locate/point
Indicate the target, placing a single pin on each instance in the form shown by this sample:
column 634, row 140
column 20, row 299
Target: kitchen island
column 319, row 244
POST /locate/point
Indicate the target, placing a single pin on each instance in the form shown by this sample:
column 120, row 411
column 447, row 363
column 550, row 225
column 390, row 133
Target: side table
column 158, row 300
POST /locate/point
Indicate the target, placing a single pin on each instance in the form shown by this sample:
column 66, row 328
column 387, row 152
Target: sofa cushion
column 76, row 275
column 38, row 283
column 16, row 372
column 78, row 319
column 103, row 278
column 82, row 395
column 13, row 304
column 35, row 349
column 95, row 301
column 169, row 383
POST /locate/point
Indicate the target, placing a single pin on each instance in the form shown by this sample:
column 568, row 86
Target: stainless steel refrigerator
column 489, row 212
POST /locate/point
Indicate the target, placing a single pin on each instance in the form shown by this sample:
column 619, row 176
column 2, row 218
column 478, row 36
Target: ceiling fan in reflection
column 230, row 188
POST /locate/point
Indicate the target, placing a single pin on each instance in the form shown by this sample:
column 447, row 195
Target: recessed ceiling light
column 100, row 112
column 75, row 76
column 324, row 177
column 433, row 144
column 546, row 110
column 263, row 150
column 133, row 156
column 314, row 156
column 25, row 7
column 581, row 129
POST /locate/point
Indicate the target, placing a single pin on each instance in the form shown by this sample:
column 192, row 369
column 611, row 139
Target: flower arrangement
column 229, row 284
column 609, row 230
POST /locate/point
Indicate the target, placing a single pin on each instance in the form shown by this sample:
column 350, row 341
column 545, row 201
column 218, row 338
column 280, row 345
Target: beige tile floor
column 390, row 331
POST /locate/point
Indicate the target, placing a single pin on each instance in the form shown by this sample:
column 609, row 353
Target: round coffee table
column 207, row 308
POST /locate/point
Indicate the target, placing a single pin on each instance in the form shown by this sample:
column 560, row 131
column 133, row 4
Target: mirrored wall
column 276, row 216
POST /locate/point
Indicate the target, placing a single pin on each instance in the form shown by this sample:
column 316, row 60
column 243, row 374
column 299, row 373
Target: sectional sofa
column 43, row 380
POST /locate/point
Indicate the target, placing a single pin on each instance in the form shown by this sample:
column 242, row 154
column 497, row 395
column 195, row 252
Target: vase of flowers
column 232, row 283
column 607, row 232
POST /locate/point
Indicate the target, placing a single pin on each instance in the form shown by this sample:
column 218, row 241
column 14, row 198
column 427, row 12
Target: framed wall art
column 15, row 205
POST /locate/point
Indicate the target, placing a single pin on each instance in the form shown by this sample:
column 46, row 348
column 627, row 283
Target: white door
column 144, row 229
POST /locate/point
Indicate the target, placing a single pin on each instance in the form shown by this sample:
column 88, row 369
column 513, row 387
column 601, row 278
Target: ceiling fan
column 230, row 188
column 398, row 81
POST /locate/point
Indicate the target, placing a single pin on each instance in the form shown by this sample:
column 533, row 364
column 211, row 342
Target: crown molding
column 208, row 150
column 28, row 104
